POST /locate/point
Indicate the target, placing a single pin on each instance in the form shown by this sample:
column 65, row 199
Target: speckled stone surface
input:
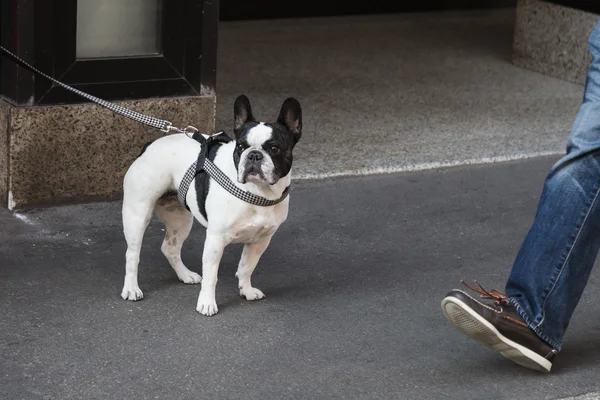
column 396, row 92
column 552, row 39
column 3, row 153
column 81, row 152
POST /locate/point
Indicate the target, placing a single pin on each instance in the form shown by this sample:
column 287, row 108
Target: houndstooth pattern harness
column 205, row 166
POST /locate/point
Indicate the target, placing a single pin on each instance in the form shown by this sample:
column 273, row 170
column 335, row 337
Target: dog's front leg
column 250, row 256
column 211, row 258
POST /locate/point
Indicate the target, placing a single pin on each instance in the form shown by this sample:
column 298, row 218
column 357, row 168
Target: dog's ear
column 242, row 113
column 290, row 116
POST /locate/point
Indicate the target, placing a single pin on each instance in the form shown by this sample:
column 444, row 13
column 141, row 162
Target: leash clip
column 168, row 127
column 188, row 130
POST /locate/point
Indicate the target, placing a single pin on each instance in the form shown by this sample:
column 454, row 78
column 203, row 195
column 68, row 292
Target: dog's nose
column 255, row 156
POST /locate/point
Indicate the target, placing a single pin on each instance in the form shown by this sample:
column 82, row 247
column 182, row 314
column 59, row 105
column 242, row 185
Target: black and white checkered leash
column 165, row 126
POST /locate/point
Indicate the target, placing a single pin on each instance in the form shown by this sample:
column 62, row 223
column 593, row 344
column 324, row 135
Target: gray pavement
column 407, row 90
column 354, row 281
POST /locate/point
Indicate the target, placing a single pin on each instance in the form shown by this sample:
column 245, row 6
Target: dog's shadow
column 279, row 275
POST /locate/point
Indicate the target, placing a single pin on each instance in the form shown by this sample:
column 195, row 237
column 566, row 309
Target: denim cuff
column 555, row 345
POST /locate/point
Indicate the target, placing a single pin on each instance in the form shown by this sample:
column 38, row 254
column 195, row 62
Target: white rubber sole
column 476, row 327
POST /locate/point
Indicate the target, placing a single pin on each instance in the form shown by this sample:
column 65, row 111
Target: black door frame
column 43, row 33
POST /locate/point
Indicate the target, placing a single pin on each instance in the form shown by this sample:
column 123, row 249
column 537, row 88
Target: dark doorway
column 267, row 9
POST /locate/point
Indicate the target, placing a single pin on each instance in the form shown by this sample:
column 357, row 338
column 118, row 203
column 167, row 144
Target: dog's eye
column 274, row 149
column 240, row 147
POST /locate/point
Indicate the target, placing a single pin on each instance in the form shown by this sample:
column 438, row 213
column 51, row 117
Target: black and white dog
column 258, row 161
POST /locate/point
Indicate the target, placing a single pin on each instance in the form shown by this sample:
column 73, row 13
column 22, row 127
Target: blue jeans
column 554, row 263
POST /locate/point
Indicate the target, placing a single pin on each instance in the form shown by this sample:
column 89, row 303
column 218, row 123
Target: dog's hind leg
column 136, row 216
column 178, row 224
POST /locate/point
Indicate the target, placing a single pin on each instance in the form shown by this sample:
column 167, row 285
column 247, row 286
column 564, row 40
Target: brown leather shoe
column 498, row 326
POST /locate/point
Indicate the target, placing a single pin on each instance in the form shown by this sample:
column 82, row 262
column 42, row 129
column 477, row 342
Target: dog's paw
column 207, row 305
column 189, row 277
column 132, row 292
column 252, row 293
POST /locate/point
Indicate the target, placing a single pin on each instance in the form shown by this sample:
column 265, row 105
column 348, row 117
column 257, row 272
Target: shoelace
column 494, row 294
column 498, row 297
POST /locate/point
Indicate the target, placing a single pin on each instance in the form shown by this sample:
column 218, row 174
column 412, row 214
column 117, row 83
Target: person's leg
column 553, row 265
column 557, row 255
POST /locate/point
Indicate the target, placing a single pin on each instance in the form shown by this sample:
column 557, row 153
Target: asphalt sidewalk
column 353, row 280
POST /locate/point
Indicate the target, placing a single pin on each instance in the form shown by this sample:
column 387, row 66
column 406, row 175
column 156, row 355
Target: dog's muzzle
column 253, row 168
column 254, row 157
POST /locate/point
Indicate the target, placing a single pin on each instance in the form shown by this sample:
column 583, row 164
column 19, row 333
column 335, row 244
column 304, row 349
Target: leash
column 166, row 126
column 162, row 125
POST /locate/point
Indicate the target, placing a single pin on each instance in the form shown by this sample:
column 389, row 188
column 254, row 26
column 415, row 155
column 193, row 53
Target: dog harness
column 204, row 169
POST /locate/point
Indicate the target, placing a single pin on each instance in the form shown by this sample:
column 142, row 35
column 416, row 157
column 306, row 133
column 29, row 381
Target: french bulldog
column 258, row 160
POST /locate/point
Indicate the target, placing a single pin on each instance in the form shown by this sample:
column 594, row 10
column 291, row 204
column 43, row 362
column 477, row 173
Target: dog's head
column 263, row 152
